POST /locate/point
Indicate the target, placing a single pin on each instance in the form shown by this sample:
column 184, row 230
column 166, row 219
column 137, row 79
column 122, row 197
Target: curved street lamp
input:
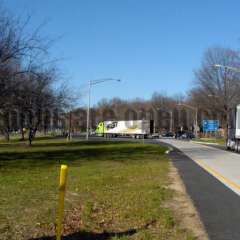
column 90, row 84
column 226, row 67
column 196, row 115
column 227, row 83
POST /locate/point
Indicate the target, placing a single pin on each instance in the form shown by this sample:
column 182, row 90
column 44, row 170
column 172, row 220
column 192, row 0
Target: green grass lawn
column 221, row 141
column 115, row 191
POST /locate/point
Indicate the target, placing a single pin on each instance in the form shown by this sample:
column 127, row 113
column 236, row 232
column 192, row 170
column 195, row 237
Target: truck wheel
column 237, row 146
column 228, row 145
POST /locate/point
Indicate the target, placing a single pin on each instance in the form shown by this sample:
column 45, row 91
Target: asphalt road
column 217, row 204
column 224, row 165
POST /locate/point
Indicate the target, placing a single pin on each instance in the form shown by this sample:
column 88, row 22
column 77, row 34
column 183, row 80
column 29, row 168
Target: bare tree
column 26, row 76
column 36, row 95
column 217, row 89
column 15, row 49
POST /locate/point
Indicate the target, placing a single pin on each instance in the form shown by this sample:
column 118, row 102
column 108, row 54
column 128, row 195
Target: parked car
column 168, row 134
column 155, row 135
column 184, row 135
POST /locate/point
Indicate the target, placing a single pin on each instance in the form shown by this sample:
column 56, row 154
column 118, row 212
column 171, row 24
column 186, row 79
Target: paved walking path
column 223, row 165
column 211, row 177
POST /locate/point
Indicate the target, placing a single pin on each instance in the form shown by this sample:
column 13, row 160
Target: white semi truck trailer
column 133, row 128
column 233, row 135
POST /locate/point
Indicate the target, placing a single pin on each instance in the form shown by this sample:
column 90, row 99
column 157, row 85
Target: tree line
column 167, row 113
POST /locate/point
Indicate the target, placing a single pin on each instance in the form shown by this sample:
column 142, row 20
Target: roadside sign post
column 210, row 125
column 62, row 189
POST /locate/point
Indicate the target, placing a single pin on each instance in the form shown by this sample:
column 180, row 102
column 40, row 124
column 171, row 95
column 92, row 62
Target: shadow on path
column 91, row 236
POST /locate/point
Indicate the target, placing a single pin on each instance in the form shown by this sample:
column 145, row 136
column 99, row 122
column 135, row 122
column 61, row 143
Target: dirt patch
column 183, row 207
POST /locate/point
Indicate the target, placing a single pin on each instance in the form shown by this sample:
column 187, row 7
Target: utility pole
column 196, row 122
column 69, row 137
column 88, row 109
column 90, row 84
column 171, row 121
column 196, row 116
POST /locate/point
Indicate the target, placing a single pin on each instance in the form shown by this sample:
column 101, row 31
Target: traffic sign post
column 210, row 125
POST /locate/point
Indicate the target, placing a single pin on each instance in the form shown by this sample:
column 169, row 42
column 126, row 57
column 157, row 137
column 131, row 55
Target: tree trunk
column 7, row 135
column 30, row 136
column 22, row 135
column 45, row 130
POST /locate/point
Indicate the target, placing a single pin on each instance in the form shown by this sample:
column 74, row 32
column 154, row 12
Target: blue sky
column 152, row 45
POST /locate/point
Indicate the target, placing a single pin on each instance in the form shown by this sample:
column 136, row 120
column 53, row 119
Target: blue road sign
column 210, row 125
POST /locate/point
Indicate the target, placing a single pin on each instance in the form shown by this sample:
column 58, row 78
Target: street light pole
column 196, row 122
column 226, row 90
column 226, row 67
column 90, row 84
column 196, row 116
column 88, row 109
column 171, row 121
column 171, row 118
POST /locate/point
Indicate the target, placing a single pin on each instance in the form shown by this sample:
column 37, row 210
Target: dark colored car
column 155, row 135
column 184, row 135
column 168, row 134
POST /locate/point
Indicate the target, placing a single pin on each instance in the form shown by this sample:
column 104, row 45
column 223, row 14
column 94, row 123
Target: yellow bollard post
column 62, row 188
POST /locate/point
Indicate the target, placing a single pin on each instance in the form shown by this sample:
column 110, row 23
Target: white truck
column 133, row 128
column 233, row 135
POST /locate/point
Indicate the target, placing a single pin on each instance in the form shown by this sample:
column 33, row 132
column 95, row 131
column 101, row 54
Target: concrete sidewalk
column 223, row 165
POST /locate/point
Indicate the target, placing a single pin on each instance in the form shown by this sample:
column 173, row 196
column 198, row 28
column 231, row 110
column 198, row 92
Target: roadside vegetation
column 220, row 141
column 116, row 190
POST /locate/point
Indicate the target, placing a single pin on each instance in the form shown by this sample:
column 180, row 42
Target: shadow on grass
column 86, row 152
column 80, row 143
column 40, row 143
column 15, row 141
column 92, row 236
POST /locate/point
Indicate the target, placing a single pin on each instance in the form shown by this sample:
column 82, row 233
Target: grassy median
column 116, row 190
column 220, row 141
